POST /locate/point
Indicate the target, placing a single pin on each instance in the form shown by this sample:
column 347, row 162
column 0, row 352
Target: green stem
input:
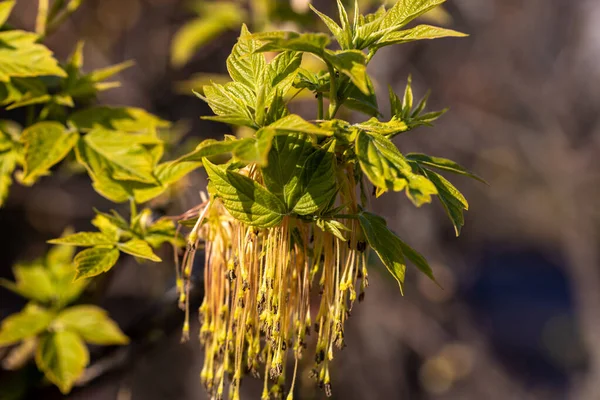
column 320, row 100
column 133, row 208
column 333, row 107
column 42, row 17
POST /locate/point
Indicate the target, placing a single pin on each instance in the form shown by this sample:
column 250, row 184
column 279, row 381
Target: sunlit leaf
column 420, row 32
column 285, row 162
column 93, row 324
column 453, row 201
column 62, row 356
column 317, row 183
column 21, row 56
column 28, row 323
column 255, row 150
column 230, row 102
column 244, row 198
column 387, row 168
column 443, row 164
column 124, row 119
column 5, row 10
column 244, row 64
column 138, row 248
column 386, row 244
column 351, row 63
column 94, row 261
column 295, row 124
column 119, row 156
column 85, row 239
column 8, row 163
column 32, row 281
column 46, row 144
column 314, row 43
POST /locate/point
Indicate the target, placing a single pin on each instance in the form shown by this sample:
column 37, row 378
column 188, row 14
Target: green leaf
column 405, row 11
column 33, row 281
column 314, row 43
column 62, row 356
column 46, row 144
column 333, row 27
column 295, row 124
column 443, row 164
column 124, row 119
column 167, row 174
column 218, row 18
column 60, row 254
column 21, row 90
column 244, row 64
column 139, row 248
column 347, row 28
column 67, row 290
column 386, row 244
column 353, row 64
column 21, row 56
column 420, row 32
column 280, row 74
column 387, row 168
column 230, row 102
column 245, row 199
column 359, row 101
column 92, row 262
column 251, row 150
column 210, row 148
column 334, row 227
column 388, row 129
column 161, row 231
column 5, row 10
column 107, row 226
column 407, row 101
column 59, row 268
column 28, row 323
column 85, row 239
column 119, row 156
column 286, row 159
column 93, row 324
column 102, row 74
column 452, row 200
column 8, row 163
column 317, row 183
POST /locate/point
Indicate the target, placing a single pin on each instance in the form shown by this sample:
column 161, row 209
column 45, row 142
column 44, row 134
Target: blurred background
column 519, row 313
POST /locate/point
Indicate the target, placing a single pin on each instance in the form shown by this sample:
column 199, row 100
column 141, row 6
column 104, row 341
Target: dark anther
column 320, row 356
column 231, row 275
column 316, row 327
column 361, row 246
column 361, row 297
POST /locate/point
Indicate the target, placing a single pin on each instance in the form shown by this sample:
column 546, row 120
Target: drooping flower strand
column 258, row 289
